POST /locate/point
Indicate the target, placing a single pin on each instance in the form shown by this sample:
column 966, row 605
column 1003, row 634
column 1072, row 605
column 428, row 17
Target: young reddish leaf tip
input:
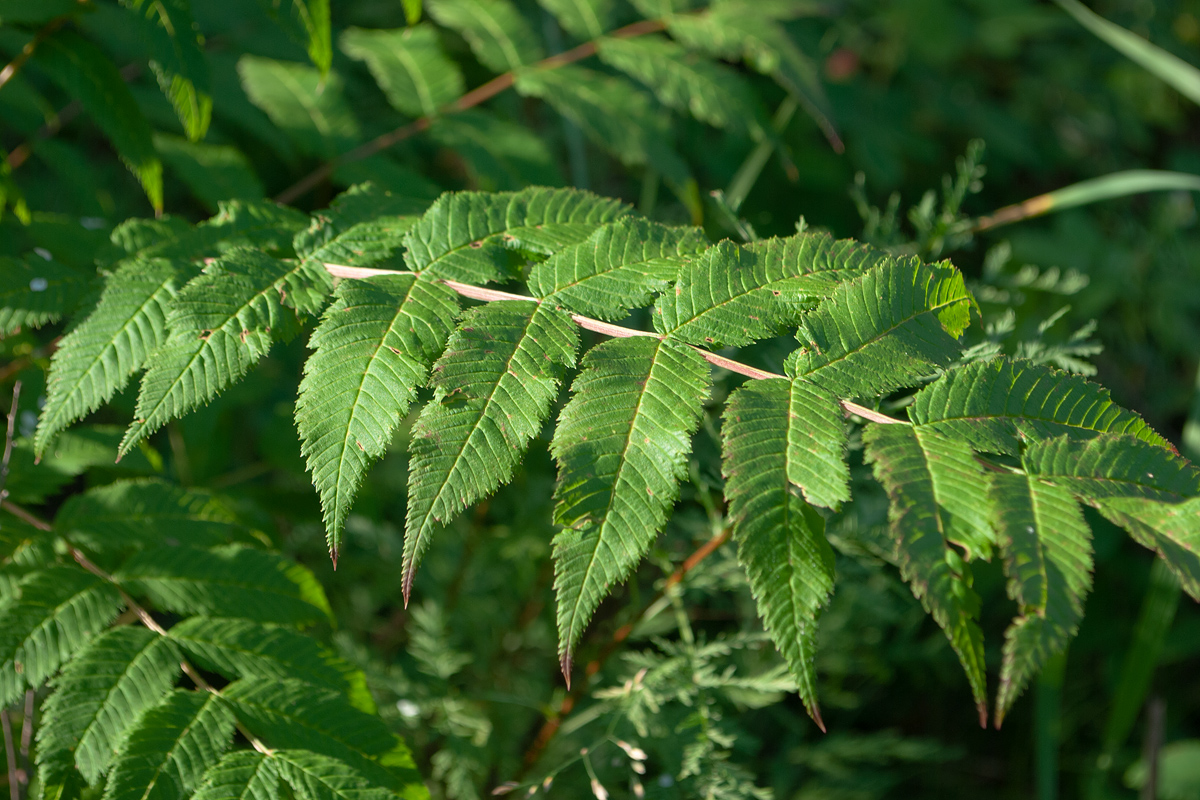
column 983, row 714
column 815, row 713
column 333, row 556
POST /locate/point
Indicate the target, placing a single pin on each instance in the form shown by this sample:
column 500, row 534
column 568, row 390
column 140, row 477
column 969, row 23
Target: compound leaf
column 987, row 403
column 497, row 33
column 102, row 692
column 886, row 329
column 372, row 349
column 618, row 268
column 781, row 539
column 409, row 65
column 493, row 390
column 229, row 582
column 240, row 775
column 1112, row 465
column 96, row 359
column 1047, row 549
column 936, row 573
column 309, row 106
column 621, row 444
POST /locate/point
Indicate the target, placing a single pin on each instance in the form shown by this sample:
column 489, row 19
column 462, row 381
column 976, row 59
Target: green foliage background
column 468, row 674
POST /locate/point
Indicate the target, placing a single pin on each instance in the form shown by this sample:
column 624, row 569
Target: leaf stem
column 471, row 99
column 8, row 440
column 608, row 329
column 14, row 66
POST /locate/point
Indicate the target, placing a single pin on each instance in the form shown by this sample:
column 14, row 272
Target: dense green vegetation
column 238, row 425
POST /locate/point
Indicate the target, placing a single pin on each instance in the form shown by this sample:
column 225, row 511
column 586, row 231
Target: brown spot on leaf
column 476, row 245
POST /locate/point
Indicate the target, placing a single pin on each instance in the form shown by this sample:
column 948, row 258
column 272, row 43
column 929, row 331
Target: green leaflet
column 816, row 442
column 293, row 714
column 495, row 30
column 1112, row 465
column 177, row 59
column 1170, row 529
column 372, row 349
column 621, row 444
column 710, row 92
column 583, row 19
column 243, row 648
column 35, row 291
column 409, row 65
column 466, row 236
column 937, row 574
column 55, row 612
column 493, row 390
column 135, row 513
column 221, row 324
column 886, row 329
column 95, row 360
column 240, row 775
column 229, row 582
column 363, row 226
column 86, row 74
column 743, row 31
column 316, row 776
column 781, row 539
column 1047, row 549
column 618, row 268
column 987, row 404
column 614, row 113
column 734, row 295
column 102, row 692
column 308, row 106
column 132, row 514
column 213, row 172
column 308, row 23
column 259, row 224
column 497, row 153
column 173, row 744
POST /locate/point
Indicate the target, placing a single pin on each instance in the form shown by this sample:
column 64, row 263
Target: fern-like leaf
column 373, row 349
column 408, row 65
column 1047, row 549
column 781, row 539
column 221, row 324
column 241, row 775
column 904, row 461
column 466, row 236
column 620, row 267
column 102, row 692
column 493, row 390
column 36, row 291
column 293, row 714
column 230, row 582
column 884, row 330
column 242, row 648
column 987, row 403
column 708, row 91
column 95, row 360
column 735, row 295
column 174, row 743
column 497, row 33
column 57, row 611
column 621, row 444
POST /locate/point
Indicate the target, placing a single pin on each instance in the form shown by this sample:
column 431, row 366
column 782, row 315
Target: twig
column 550, row 727
column 14, row 66
column 469, row 100
column 608, row 329
column 1156, row 711
column 14, row 788
column 8, row 440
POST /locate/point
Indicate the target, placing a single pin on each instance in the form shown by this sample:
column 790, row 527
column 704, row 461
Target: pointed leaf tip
column 983, row 716
column 815, row 713
column 333, row 556
column 565, row 663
